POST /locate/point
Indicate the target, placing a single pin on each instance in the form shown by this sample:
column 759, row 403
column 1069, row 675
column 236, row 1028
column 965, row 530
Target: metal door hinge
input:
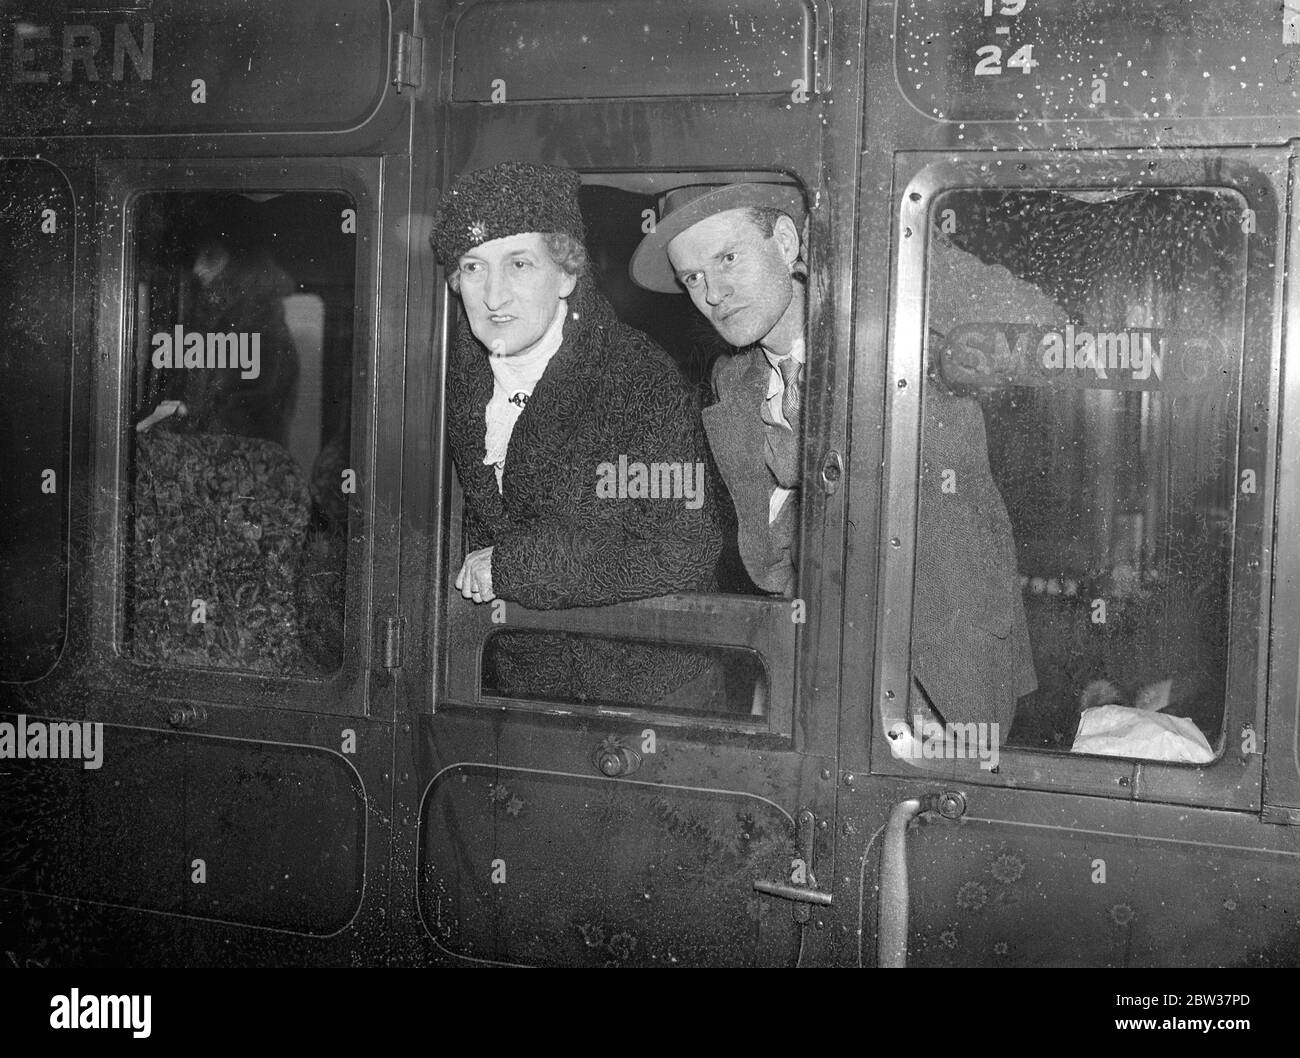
column 394, row 629
column 410, row 61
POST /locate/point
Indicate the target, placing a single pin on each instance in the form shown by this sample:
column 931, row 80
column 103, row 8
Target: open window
column 1087, row 523
column 725, row 656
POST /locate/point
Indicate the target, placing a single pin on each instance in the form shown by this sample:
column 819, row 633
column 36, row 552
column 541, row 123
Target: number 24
column 991, row 63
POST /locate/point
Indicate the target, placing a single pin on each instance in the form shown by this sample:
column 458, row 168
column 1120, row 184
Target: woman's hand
column 165, row 409
column 474, row 581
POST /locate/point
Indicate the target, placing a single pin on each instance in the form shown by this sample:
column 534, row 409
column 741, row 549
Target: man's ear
column 787, row 238
column 567, row 284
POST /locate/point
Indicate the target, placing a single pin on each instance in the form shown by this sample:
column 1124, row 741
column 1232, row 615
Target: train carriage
column 247, row 719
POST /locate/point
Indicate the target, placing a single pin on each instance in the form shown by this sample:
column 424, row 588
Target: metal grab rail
column 895, row 896
column 891, row 938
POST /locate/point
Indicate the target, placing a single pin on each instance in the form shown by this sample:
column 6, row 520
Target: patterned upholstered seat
column 216, row 549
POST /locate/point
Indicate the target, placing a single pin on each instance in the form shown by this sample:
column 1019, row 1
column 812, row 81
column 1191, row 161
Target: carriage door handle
column 803, row 891
column 895, row 891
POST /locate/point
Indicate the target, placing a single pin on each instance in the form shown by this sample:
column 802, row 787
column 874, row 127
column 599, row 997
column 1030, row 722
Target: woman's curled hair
column 565, row 251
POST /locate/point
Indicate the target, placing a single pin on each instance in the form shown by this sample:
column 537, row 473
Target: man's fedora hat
column 683, row 206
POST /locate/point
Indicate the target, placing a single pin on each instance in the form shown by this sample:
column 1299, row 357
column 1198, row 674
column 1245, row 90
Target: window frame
column 1282, row 763
column 1231, row 780
column 345, row 692
column 763, row 625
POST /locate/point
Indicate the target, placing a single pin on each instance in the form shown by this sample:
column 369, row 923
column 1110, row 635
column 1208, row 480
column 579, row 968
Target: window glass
column 37, row 225
column 656, row 48
column 140, row 68
column 1074, row 545
column 1055, row 60
column 241, row 464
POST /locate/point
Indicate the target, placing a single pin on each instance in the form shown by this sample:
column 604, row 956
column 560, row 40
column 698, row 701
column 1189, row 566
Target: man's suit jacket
column 970, row 640
column 737, row 437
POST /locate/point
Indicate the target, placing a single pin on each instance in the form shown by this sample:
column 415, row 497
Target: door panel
column 1030, row 879
column 710, row 811
column 1134, row 542
column 657, row 867
column 281, row 831
column 548, row 868
column 663, row 860
column 131, row 834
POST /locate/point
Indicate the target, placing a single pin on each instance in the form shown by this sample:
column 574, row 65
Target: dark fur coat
column 608, row 392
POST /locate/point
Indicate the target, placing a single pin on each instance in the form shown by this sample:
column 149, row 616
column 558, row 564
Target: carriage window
column 1074, row 551
column 241, row 383
column 652, row 524
column 37, row 222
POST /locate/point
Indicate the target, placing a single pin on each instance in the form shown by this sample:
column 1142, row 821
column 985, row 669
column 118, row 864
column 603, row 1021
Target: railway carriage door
column 593, row 813
column 202, row 276
column 1080, row 466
